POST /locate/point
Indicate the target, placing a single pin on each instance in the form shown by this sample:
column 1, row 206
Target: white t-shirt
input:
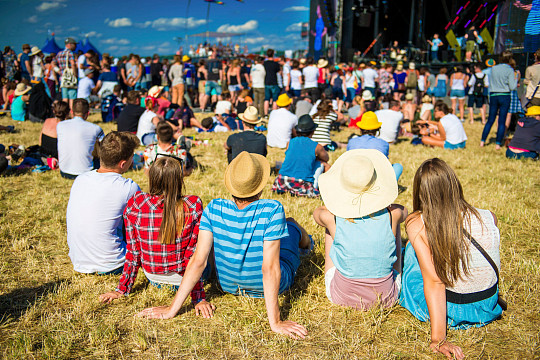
column 425, row 107
column 455, row 133
column 311, row 75
column 280, row 125
column 369, row 77
column 94, row 221
column 81, row 61
column 76, row 139
column 85, row 87
column 295, row 79
column 223, row 107
column 390, row 120
column 146, row 125
column 257, row 76
column 37, row 67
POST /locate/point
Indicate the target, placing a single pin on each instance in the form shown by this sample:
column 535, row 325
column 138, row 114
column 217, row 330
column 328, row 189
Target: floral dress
column 9, row 62
column 385, row 82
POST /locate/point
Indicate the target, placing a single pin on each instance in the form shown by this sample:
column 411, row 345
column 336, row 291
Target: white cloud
column 164, row 24
column 46, row 5
column 296, row 8
column 32, row 19
column 248, row 26
column 120, row 22
column 73, row 29
column 255, row 40
column 116, row 41
column 296, row 27
column 93, row 34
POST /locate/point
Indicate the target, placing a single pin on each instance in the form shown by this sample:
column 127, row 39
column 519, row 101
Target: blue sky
column 149, row 26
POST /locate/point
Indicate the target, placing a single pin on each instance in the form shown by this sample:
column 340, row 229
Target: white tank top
column 421, row 83
column 457, row 84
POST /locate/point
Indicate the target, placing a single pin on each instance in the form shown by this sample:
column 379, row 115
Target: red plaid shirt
column 64, row 59
column 142, row 218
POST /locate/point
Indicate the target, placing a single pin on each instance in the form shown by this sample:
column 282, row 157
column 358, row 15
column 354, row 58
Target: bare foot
column 304, row 241
column 482, row 144
column 472, row 122
column 497, row 147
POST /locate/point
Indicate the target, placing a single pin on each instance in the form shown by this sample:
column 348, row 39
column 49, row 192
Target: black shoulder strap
column 483, row 252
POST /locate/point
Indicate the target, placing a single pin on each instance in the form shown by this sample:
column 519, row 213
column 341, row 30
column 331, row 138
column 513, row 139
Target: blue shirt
column 238, row 242
column 24, row 59
column 436, row 43
column 368, row 142
column 108, row 76
column 300, row 160
column 18, row 109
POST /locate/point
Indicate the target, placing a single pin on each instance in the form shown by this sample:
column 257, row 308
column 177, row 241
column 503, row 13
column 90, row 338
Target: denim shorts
column 449, row 146
column 523, row 155
column 271, row 92
column 460, row 94
column 70, row 94
column 212, row 88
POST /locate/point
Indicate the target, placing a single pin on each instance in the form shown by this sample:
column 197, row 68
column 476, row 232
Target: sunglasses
column 180, row 160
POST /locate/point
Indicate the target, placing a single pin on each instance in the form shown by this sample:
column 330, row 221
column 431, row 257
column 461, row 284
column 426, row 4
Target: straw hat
column 369, row 121
column 305, row 124
column 22, row 89
column 283, row 100
column 247, row 175
column 322, row 63
column 250, row 116
column 359, row 183
column 185, row 58
column 366, row 95
column 533, row 111
column 426, row 99
column 155, row 91
column 35, row 50
column 409, row 96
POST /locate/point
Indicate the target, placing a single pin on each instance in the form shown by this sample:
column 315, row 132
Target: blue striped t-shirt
column 238, row 241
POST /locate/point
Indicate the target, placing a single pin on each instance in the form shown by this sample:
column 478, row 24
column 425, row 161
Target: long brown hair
column 438, row 196
column 324, row 108
column 166, row 180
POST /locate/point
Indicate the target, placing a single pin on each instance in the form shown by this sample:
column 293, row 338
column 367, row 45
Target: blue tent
column 80, row 47
column 89, row 46
column 50, row 46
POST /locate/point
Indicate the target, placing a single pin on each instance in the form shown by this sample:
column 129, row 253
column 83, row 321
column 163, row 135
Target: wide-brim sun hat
column 22, row 89
column 409, row 96
column 322, row 63
column 283, row 100
column 361, row 182
column 247, row 175
column 305, row 124
column 35, row 50
column 155, row 91
column 533, row 111
column 367, row 95
column 250, row 116
column 369, row 121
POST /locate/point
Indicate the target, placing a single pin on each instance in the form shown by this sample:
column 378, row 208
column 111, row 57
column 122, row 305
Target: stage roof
column 214, row 34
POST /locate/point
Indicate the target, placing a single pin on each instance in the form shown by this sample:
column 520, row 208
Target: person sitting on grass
column 128, row 120
column 76, row 139
column 447, row 133
column 48, row 139
column 363, row 240
column 369, row 128
column 165, row 145
column 450, row 274
column 20, row 102
column 162, row 227
column 324, row 118
column 146, row 130
column 184, row 118
column 256, row 248
column 526, row 141
column 281, row 123
column 112, row 105
column 97, row 201
column 304, row 161
column 248, row 140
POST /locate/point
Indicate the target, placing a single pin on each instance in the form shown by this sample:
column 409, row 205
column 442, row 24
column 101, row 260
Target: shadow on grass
column 15, row 303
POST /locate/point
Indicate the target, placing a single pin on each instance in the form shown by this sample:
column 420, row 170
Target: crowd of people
column 448, row 271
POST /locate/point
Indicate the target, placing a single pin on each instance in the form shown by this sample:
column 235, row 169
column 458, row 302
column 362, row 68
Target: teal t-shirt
column 18, row 109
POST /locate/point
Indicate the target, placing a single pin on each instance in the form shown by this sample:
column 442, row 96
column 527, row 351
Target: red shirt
column 142, row 218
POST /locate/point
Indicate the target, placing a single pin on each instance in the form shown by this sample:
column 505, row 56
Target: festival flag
column 215, row 2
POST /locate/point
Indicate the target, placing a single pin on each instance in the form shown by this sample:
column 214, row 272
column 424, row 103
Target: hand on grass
column 158, row 312
column 448, row 349
column 107, row 298
column 205, row 309
column 291, row 329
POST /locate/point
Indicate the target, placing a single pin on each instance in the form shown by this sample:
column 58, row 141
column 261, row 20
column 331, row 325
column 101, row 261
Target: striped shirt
column 322, row 132
column 238, row 241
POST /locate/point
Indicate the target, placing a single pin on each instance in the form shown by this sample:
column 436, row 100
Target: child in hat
column 19, row 104
column 363, row 239
column 305, row 159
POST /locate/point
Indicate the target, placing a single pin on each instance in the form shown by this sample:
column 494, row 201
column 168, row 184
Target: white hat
column 251, row 115
column 155, row 91
column 322, row 63
column 35, row 50
column 359, row 183
column 412, row 66
column 366, row 95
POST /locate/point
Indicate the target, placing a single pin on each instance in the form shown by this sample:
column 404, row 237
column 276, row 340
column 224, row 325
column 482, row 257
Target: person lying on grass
column 446, row 277
column 363, row 240
column 256, row 249
column 161, row 230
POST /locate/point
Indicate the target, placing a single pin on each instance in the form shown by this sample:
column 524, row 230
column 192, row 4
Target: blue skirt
column 459, row 316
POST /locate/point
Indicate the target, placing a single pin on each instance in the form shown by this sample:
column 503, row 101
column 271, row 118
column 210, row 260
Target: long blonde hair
column 438, row 196
column 166, row 180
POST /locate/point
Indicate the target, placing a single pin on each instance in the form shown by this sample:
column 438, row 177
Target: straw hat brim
column 347, row 205
column 322, row 64
column 249, row 121
column 35, row 52
column 19, row 93
column 265, row 165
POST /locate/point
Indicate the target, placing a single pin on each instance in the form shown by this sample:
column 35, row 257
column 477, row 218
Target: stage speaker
column 347, row 55
column 445, row 55
column 364, row 19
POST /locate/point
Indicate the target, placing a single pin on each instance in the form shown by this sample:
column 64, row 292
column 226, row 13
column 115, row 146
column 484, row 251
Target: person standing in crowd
column 271, row 88
column 234, row 80
column 36, row 57
column 156, row 70
column 515, row 102
column 434, row 50
column 458, row 80
column 501, row 82
column 399, row 81
column 257, row 76
column 470, row 36
column 411, row 81
column 441, row 83
column 134, row 73
column 189, row 80
column 202, row 74
column 532, row 80
column 478, row 84
column 385, row 80
column 324, row 75
column 68, row 70
column 214, row 79
column 295, row 75
column 311, row 76
column 281, row 123
column 370, row 78
column 176, row 75
column 25, row 63
column 10, row 63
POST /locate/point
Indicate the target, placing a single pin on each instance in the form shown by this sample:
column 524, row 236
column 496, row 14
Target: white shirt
column 146, row 125
column 81, row 61
column 311, row 75
column 94, row 221
column 37, row 67
column 472, row 80
column 223, row 107
column 84, row 88
column 76, row 139
column 369, row 77
column 390, row 120
column 257, row 76
column 295, row 79
column 455, row 133
column 280, row 125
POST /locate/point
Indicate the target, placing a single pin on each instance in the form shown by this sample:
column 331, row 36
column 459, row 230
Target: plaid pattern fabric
column 64, row 58
column 515, row 103
column 296, row 187
column 142, row 219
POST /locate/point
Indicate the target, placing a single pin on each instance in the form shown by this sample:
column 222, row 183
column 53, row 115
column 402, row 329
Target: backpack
column 478, row 89
column 412, row 80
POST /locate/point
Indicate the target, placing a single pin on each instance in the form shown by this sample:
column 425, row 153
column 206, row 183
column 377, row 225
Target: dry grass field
column 49, row 311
